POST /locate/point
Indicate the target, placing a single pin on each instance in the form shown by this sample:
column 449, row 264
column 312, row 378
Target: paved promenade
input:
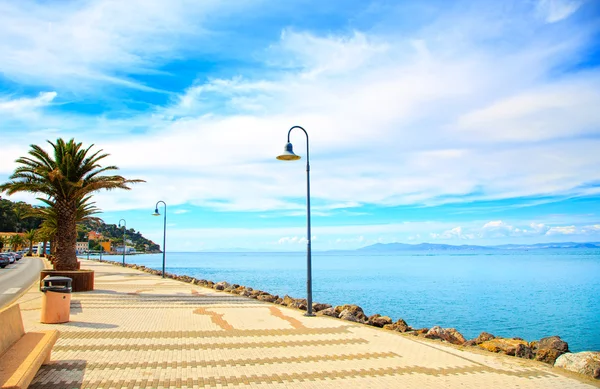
column 136, row 330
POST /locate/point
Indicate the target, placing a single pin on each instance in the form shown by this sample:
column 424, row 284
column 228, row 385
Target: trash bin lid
column 57, row 279
column 60, row 289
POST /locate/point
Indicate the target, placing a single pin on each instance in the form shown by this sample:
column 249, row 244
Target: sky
column 455, row 122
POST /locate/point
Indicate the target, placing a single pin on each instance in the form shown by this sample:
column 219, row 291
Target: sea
column 529, row 294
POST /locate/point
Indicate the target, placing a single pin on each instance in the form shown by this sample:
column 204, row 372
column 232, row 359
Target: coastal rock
column 502, row 345
column 421, row 332
column 379, row 321
column 246, row 293
column 299, row 304
column 523, row 351
column 328, row 312
column 450, row 335
column 586, row 363
column 553, row 342
column 547, row 355
column 267, row 297
column 399, row 326
column 355, row 310
column 319, row 307
column 221, row 285
column 347, row 315
column 550, row 348
column 279, row 301
column 287, row 300
column 483, row 337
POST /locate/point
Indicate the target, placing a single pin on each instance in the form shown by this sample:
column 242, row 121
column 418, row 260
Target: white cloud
column 21, row 104
column 454, row 233
column 556, row 10
column 430, row 116
column 562, row 230
column 79, row 45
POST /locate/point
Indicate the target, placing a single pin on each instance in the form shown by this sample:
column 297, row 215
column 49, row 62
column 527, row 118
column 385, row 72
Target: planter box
column 83, row 280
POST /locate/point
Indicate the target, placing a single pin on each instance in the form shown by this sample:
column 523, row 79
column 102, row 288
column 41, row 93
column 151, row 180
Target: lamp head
column 288, row 153
column 156, row 213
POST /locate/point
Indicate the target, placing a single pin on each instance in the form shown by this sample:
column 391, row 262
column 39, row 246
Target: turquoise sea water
column 529, row 294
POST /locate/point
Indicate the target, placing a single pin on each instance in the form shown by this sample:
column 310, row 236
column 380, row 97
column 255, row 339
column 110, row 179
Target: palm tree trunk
column 66, row 235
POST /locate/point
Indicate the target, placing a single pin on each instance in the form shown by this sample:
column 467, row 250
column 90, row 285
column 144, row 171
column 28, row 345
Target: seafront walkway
column 137, row 330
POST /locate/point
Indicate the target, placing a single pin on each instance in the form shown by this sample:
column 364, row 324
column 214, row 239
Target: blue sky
column 460, row 122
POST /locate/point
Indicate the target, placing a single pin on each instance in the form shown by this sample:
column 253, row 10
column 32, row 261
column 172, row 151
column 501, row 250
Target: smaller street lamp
column 164, row 247
column 124, row 231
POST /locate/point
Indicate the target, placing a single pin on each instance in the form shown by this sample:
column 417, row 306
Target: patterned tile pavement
column 136, row 330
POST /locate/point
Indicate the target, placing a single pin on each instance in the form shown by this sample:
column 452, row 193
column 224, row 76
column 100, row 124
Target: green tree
column 16, row 241
column 68, row 177
column 30, row 237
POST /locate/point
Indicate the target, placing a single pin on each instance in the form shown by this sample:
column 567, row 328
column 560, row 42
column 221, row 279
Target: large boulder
column 379, row 321
column 287, row 300
column 550, row 348
column 328, row 312
column 267, row 297
column 319, row 307
column 483, row 337
column 355, row 310
column 523, row 351
column 586, row 362
column 502, row 345
column 299, row 304
column 399, row 326
column 450, row 335
column 221, row 285
column 349, row 316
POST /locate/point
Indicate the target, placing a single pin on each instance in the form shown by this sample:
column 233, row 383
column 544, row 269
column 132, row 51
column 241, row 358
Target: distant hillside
column 14, row 217
column 115, row 234
column 447, row 247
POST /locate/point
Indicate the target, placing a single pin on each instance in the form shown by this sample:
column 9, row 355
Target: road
column 17, row 277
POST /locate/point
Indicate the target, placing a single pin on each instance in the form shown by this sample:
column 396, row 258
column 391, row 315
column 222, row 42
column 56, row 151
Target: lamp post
column 156, row 213
column 288, row 155
column 124, row 231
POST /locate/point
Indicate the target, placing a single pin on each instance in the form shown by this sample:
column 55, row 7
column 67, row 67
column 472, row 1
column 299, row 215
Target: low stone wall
column 545, row 350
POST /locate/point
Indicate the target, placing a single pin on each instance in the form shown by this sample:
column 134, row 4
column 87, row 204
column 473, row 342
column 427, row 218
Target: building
column 106, row 247
column 93, row 235
column 82, row 247
column 128, row 250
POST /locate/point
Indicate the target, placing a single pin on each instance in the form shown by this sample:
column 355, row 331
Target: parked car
column 11, row 256
column 4, row 260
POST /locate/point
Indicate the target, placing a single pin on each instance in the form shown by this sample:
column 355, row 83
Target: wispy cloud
column 557, row 10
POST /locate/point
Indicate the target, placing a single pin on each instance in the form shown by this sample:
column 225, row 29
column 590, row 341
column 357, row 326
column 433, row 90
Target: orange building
column 106, row 246
column 93, row 235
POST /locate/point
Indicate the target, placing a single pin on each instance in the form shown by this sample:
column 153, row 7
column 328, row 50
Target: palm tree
column 16, row 241
column 30, row 236
column 49, row 227
column 67, row 178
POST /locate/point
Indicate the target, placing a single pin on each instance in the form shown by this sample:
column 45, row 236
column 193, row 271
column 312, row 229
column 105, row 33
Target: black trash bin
column 56, row 301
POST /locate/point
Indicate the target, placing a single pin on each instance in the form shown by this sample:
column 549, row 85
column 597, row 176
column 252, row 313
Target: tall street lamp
column 124, row 231
column 156, row 213
column 288, row 155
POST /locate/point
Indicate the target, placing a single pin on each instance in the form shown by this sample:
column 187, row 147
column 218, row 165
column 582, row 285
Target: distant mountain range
column 448, row 247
